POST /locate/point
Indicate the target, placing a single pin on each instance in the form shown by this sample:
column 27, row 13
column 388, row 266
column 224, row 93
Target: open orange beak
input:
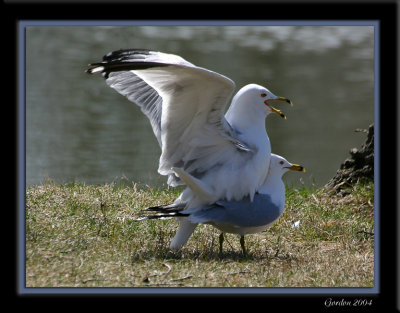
column 272, row 109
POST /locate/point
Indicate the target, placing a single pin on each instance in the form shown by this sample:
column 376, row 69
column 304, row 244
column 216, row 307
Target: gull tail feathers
column 196, row 185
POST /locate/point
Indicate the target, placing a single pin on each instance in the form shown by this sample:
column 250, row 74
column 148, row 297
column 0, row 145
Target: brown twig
column 239, row 272
column 182, row 278
column 365, row 232
column 146, row 278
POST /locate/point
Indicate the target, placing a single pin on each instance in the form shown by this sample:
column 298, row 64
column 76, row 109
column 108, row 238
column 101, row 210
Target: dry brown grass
column 86, row 236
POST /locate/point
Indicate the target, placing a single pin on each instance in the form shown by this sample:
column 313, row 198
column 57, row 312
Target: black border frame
column 385, row 13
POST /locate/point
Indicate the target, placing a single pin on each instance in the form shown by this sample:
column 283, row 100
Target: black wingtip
column 95, row 68
column 161, row 216
column 170, row 208
column 156, row 208
column 123, row 60
column 124, row 54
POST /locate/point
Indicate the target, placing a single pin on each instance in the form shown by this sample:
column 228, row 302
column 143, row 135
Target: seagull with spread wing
column 230, row 154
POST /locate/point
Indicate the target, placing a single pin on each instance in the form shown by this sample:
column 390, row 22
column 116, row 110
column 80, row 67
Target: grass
column 86, row 236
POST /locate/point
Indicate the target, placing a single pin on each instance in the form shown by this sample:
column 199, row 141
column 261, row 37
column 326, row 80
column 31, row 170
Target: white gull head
column 273, row 183
column 250, row 105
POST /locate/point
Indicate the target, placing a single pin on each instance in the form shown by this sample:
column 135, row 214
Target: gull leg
column 242, row 244
column 221, row 240
column 185, row 229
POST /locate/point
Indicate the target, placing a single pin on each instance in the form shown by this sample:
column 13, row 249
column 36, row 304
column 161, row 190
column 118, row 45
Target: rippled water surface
column 78, row 129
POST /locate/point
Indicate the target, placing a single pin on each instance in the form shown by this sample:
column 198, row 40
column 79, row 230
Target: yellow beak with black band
column 296, row 167
column 276, row 110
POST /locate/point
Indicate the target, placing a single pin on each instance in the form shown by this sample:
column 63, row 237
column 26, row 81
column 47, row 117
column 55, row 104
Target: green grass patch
column 85, row 236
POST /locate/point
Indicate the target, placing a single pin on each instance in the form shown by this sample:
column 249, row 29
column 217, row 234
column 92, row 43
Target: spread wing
column 184, row 103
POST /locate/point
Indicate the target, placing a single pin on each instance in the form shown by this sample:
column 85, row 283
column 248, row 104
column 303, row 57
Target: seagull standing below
column 238, row 217
column 185, row 105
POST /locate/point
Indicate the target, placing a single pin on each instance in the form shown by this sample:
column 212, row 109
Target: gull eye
column 263, row 95
column 281, row 162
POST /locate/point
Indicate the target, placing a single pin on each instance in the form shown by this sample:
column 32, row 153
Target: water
column 78, row 129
